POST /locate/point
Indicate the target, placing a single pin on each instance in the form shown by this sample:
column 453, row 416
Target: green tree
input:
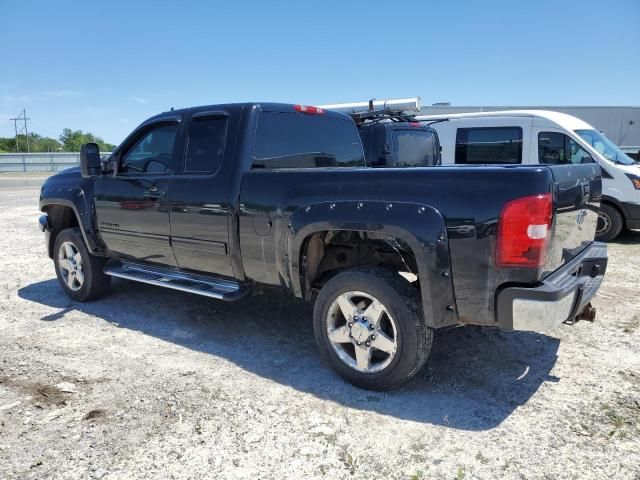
column 7, row 145
column 37, row 143
column 72, row 140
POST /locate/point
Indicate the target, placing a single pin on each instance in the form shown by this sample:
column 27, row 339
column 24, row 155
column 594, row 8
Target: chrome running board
column 218, row 288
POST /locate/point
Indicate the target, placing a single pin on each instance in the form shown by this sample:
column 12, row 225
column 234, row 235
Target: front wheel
column 610, row 223
column 80, row 274
column 369, row 327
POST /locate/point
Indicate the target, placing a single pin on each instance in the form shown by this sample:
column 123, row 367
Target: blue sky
column 106, row 66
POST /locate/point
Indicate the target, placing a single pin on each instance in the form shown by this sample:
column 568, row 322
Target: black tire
column 402, row 301
column 610, row 223
column 95, row 282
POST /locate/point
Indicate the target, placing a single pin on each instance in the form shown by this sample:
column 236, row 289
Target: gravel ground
column 149, row 383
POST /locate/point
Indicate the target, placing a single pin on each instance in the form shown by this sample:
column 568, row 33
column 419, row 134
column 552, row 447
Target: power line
column 22, row 130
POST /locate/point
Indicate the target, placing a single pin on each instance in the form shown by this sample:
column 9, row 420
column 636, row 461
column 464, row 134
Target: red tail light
column 309, row 110
column 523, row 231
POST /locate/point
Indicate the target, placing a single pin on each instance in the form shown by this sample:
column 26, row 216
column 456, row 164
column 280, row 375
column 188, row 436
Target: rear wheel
column 610, row 223
column 369, row 327
column 80, row 274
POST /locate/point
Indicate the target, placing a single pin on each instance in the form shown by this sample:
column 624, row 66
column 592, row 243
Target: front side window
column 292, row 140
column 415, row 148
column 152, row 152
column 484, row 145
column 556, row 148
column 205, row 145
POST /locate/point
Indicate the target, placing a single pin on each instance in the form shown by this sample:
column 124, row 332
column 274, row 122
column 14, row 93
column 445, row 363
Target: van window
column 205, row 145
column 489, row 145
column 556, row 148
column 414, row 148
column 294, row 140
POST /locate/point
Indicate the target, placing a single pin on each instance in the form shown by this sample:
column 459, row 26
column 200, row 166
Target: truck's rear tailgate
column 577, row 198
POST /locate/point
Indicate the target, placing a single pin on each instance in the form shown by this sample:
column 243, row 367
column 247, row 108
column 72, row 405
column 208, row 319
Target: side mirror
column 90, row 166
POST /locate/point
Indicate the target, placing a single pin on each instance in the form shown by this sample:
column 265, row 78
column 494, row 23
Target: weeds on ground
column 621, row 418
column 419, row 475
column 632, row 325
column 348, row 460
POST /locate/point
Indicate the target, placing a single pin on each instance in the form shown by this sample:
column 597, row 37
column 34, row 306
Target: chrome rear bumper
column 561, row 296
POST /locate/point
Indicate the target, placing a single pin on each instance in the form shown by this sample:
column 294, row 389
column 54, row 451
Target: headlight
column 635, row 180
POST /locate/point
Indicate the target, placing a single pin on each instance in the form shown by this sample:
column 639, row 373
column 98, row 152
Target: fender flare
column 75, row 199
column 420, row 226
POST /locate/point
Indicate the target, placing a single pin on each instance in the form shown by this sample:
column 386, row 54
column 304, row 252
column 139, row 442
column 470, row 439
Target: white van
column 540, row 136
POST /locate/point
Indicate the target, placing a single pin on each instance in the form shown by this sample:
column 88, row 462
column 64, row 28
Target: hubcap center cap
column 359, row 332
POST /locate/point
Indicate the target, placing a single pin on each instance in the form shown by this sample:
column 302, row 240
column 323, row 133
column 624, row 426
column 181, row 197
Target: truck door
column 132, row 205
column 200, row 195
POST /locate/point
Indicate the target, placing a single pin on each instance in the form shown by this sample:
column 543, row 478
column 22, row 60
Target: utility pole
column 23, row 129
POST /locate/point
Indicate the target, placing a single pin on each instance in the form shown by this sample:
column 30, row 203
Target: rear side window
column 489, row 145
column 205, row 145
column 556, row 148
column 292, row 140
column 414, row 148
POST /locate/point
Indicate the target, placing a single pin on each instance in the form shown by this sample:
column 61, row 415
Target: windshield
column 605, row 147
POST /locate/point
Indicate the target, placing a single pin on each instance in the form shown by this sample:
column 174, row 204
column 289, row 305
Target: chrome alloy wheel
column 70, row 265
column 604, row 223
column 362, row 332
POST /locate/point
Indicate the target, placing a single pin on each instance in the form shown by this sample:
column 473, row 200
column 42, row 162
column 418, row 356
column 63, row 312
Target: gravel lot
column 150, row 383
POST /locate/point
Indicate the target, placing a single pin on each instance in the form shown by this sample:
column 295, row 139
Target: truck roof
column 568, row 122
column 232, row 107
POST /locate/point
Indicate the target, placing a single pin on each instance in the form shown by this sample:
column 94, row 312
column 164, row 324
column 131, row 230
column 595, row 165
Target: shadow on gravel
column 628, row 237
column 473, row 380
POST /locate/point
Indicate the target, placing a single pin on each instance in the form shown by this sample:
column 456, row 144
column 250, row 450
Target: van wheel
column 80, row 274
column 610, row 223
column 369, row 327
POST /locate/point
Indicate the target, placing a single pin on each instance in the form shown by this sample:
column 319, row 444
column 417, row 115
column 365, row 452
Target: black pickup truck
column 217, row 200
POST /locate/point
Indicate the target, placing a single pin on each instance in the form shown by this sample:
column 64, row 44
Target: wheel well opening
column 59, row 218
column 328, row 252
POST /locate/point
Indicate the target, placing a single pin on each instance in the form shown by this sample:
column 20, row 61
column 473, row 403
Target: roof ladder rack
column 403, row 109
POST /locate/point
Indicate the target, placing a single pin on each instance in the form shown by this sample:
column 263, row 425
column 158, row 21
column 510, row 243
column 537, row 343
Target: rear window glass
column 489, row 145
column 414, row 148
column 292, row 140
